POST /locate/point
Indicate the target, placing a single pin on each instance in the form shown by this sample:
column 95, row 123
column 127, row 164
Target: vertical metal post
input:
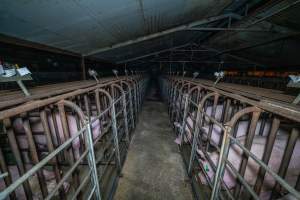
column 170, row 100
column 248, row 144
column 263, row 123
column 267, row 154
column 131, row 108
column 125, row 117
column 34, row 156
column 98, row 107
column 173, row 105
column 182, row 129
column 135, row 101
column 91, row 160
column 194, row 145
column 83, row 68
column 221, row 163
column 7, row 179
column 211, row 124
column 87, row 105
column 225, row 116
column 69, row 154
column 139, row 97
column 170, row 97
column 178, row 111
column 115, row 135
column 288, row 152
column 50, row 146
column 17, row 154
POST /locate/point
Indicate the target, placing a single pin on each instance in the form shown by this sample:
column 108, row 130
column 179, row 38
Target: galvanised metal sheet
column 83, row 26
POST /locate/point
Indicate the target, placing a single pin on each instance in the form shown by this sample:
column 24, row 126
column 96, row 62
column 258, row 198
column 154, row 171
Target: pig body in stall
column 57, row 136
column 34, row 184
column 259, row 143
column 41, row 143
column 242, row 126
column 235, row 153
column 179, row 105
column 191, row 118
column 187, row 132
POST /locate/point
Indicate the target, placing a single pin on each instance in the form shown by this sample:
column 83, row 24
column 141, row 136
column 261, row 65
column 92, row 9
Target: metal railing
column 201, row 113
column 92, row 168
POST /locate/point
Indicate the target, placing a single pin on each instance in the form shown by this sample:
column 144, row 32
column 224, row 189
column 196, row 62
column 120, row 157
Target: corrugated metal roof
column 83, row 26
column 86, row 26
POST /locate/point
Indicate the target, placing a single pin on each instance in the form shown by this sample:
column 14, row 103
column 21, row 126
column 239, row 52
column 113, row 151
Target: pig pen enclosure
column 150, row 99
column 71, row 145
column 235, row 147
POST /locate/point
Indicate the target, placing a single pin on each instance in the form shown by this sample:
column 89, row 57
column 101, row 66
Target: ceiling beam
column 195, row 61
column 34, row 45
column 280, row 7
column 5, row 39
column 165, row 32
column 258, row 44
column 235, row 56
column 151, row 54
column 228, row 29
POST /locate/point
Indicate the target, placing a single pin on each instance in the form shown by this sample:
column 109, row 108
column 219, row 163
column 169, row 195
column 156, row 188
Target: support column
column 83, row 68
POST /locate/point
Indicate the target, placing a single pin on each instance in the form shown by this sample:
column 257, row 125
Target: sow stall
column 12, row 98
column 68, row 144
column 234, row 146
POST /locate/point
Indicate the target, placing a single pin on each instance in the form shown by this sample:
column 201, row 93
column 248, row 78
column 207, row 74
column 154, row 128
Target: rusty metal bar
column 65, row 141
column 243, row 108
column 50, row 146
column 35, row 157
column 262, row 164
column 7, row 179
column 248, row 144
column 293, row 137
column 221, row 164
column 69, row 154
column 17, row 154
column 211, row 124
column 267, row 154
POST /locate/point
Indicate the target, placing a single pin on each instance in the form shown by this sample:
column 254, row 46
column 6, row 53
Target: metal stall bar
column 124, row 109
column 169, row 88
column 129, row 92
column 38, row 166
column 57, row 161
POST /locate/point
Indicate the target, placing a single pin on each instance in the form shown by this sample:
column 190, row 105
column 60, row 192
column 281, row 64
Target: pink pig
column 259, row 143
column 40, row 140
column 235, row 153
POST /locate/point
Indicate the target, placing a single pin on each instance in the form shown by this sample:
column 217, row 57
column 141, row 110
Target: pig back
column 251, row 173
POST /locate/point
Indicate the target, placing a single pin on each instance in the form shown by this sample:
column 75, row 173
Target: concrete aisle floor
column 154, row 167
